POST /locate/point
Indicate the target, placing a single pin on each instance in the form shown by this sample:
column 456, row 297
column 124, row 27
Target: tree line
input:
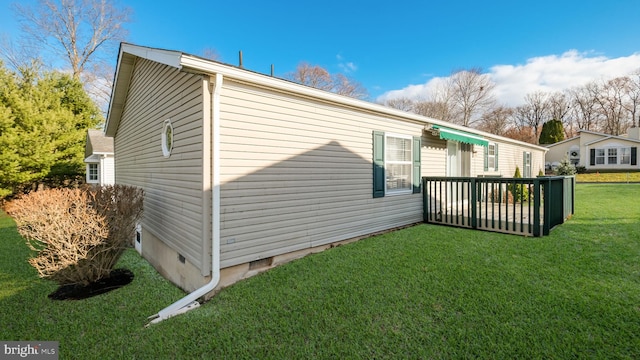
column 467, row 98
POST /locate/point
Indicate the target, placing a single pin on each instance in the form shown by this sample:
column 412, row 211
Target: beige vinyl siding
column 559, row 151
column 434, row 156
column 297, row 173
column 173, row 186
column 511, row 155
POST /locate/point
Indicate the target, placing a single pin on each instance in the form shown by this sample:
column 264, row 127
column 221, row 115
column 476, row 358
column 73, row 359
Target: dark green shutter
column 592, row 161
column 495, row 150
column 417, row 142
column 378, row 164
column 634, row 156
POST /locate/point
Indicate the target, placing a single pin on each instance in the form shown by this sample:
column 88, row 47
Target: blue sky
column 399, row 48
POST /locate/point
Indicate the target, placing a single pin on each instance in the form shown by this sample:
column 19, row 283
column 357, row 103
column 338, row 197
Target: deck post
column 474, row 203
column 536, row 207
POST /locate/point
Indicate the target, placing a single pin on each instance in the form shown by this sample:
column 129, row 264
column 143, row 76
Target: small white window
column 93, row 173
column 167, row 138
column 491, row 157
column 625, row 156
column 527, row 164
column 599, row 156
column 398, row 163
column 612, row 157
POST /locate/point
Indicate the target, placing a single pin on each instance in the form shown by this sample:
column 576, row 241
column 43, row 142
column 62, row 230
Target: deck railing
column 526, row 206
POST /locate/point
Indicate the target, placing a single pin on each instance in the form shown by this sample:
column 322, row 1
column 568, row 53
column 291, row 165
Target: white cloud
column 346, row 66
column 545, row 73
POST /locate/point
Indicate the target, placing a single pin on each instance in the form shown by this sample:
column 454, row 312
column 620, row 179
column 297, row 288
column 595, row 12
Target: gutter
column 190, row 302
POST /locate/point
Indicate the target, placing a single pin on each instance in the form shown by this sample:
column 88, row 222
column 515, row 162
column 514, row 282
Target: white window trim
column 603, row 156
column 608, row 156
column 621, row 156
column 89, row 178
column 167, row 148
column 489, row 157
column 388, row 162
column 526, row 168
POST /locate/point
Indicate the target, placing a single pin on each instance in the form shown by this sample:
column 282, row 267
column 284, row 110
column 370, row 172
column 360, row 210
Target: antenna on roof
column 271, row 70
column 240, row 58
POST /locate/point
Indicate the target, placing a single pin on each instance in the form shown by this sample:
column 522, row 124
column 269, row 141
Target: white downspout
column 190, row 302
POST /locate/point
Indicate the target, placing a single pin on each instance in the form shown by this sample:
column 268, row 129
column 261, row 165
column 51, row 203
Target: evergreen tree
column 552, row 132
column 43, row 122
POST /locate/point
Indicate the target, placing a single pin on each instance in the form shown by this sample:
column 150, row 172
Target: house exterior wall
column 174, row 196
column 511, row 156
column 585, row 143
column 558, row 151
column 107, row 176
column 297, row 173
column 610, row 143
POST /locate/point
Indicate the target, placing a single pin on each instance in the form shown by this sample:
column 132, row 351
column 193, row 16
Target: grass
column 422, row 292
column 620, row 177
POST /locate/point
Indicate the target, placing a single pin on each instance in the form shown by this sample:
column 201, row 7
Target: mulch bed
column 117, row 279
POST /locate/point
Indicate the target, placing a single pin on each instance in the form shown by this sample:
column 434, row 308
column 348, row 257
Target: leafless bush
column 78, row 234
column 501, row 197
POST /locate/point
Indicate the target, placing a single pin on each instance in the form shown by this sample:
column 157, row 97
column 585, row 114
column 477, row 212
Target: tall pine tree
column 44, row 117
column 552, row 132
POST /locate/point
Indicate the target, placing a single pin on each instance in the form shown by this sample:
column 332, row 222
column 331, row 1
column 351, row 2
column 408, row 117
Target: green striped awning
column 460, row 136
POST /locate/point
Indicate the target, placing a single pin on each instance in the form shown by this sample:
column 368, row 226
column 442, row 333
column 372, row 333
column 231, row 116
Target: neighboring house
column 99, row 158
column 597, row 151
column 243, row 171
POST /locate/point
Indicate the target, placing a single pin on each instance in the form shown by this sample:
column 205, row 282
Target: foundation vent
column 262, row 263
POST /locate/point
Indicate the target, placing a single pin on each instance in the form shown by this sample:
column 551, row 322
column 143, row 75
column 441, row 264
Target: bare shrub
column 501, row 197
column 78, row 234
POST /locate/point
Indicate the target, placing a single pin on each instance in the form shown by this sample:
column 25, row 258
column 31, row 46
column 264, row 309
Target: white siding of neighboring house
column 611, row 143
column 173, row 186
column 587, row 141
column 108, row 173
column 560, row 150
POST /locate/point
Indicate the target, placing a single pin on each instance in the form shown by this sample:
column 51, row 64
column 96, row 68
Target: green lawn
column 423, row 292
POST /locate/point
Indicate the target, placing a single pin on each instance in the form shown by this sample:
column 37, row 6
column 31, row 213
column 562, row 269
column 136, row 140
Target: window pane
column 398, row 149
column 93, row 172
column 398, row 177
column 599, row 156
column 491, row 156
column 625, row 156
column 613, row 156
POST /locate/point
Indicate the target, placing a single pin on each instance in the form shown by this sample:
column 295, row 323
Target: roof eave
column 126, row 61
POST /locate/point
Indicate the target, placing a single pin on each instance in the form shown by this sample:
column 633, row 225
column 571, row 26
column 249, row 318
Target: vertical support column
column 474, row 203
column 536, row 207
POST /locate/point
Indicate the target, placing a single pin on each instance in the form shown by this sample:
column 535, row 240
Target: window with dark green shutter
column 491, row 157
column 396, row 164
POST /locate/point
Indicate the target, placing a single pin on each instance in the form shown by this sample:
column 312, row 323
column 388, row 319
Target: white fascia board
column 612, row 137
column 562, row 142
column 598, row 140
column 167, row 57
column 92, row 159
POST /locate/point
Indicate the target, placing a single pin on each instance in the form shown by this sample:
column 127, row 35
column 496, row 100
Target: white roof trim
column 563, row 141
column 167, row 57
